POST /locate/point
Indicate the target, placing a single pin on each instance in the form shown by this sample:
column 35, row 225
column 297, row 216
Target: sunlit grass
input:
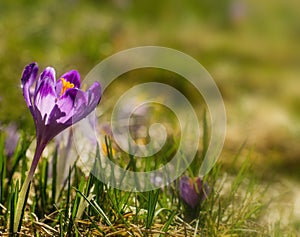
column 236, row 202
column 254, row 62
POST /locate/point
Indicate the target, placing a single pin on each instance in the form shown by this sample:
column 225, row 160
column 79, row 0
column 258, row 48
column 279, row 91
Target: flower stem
column 22, row 195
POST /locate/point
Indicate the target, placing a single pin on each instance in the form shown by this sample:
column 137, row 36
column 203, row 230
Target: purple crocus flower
column 192, row 190
column 11, row 140
column 55, row 106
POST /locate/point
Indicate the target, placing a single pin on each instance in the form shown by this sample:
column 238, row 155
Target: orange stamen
column 65, row 86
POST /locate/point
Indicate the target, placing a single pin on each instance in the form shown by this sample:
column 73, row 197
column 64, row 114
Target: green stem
column 22, row 195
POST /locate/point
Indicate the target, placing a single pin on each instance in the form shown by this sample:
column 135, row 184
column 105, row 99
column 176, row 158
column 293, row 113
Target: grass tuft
column 235, row 202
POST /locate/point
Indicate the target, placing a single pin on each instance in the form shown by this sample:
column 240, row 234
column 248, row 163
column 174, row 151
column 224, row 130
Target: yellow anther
column 105, row 150
column 191, row 182
column 65, row 85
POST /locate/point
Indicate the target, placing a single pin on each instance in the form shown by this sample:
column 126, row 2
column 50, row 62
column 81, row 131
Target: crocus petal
column 12, row 138
column 58, row 88
column 56, row 114
column 44, row 133
column 188, row 192
column 49, row 74
column 82, row 108
column 28, row 77
column 66, row 104
column 72, row 77
column 54, row 126
column 45, row 96
column 94, row 94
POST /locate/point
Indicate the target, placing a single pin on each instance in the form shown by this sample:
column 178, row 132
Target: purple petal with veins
column 44, row 98
column 49, row 74
column 28, row 78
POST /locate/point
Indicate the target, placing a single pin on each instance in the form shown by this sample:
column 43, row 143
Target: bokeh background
column 251, row 49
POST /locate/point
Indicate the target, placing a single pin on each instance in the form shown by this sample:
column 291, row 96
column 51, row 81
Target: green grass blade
column 168, row 223
column 3, row 168
column 78, row 197
column 54, row 176
column 152, row 201
column 96, row 207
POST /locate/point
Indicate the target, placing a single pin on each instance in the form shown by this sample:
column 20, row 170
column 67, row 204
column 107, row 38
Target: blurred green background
column 251, row 48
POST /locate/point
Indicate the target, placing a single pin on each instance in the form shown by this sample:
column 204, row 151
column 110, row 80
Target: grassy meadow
column 251, row 50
